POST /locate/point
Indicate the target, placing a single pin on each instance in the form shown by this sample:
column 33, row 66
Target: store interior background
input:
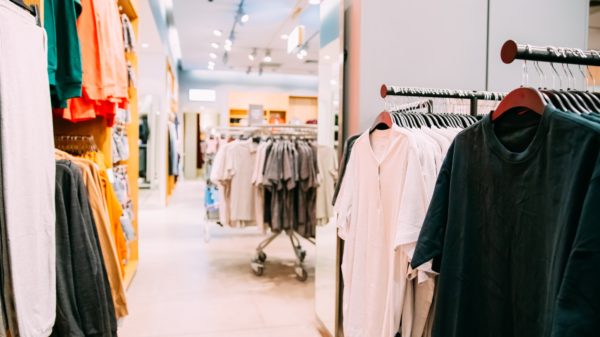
column 353, row 47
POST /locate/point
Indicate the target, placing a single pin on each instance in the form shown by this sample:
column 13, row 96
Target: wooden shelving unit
column 103, row 137
column 236, row 115
column 130, row 8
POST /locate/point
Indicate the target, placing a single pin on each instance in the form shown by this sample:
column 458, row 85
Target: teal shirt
column 64, row 53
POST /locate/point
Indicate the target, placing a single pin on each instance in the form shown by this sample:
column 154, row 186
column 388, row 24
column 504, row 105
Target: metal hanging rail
column 472, row 95
column 511, row 51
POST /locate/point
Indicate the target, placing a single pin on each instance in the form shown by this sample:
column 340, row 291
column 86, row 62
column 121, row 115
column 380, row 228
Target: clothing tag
column 111, row 175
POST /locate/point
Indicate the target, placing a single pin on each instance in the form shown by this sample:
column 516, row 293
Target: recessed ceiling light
column 251, row 57
column 268, row 57
column 300, row 56
column 314, row 2
column 145, row 45
column 215, row 45
column 245, row 18
column 217, row 32
column 284, row 36
column 228, row 42
column 227, row 47
column 212, row 55
column 327, row 57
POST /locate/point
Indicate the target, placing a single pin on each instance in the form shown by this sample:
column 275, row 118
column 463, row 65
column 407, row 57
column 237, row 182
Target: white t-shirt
column 240, row 160
column 28, row 169
column 381, row 194
column 217, row 176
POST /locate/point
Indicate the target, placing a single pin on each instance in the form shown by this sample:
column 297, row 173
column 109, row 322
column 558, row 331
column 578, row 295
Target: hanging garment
column 85, row 305
column 238, row 169
column 28, row 170
column 93, row 183
column 104, row 65
column 64, row 54
column 218, row 177
column 513, row 229
column 328, row 168
column 374, row 217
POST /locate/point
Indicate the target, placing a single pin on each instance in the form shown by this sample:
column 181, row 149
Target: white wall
column 536, row 22
column 226, row 82
column 444, row 44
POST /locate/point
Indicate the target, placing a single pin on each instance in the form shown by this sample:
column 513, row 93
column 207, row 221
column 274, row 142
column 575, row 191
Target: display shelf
column 129, row 8
column 129, row 272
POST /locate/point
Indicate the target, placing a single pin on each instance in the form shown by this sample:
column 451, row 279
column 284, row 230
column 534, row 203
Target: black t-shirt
column 514, row 229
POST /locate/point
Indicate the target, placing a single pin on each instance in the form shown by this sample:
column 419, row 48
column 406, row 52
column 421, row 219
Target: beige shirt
column 217, row 176
column 238, row 169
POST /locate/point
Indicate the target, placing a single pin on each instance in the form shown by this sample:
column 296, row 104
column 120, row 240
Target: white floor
column 186, row 286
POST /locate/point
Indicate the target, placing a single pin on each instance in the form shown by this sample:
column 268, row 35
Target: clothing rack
column 270, row 130
column 472, row 95
column 511, row 51
column 76, row 144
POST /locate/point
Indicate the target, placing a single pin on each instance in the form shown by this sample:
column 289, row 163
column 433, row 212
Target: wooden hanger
column 521, row 97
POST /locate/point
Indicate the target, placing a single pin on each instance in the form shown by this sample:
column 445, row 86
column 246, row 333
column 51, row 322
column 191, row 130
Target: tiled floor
column 187, row 286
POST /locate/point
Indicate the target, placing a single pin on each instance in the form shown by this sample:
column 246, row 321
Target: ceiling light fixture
column 227, row 47
column 217, row 32
column 314, row 2
column 212, row 56
column 211, row 65
column 268, row 57
column 215, row 45
column 145, row 45
column 302, row 54
column 284, row 36
column 252, row 55
column 244, row 18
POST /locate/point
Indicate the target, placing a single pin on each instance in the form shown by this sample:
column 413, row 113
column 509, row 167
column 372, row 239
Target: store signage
column 256, row 114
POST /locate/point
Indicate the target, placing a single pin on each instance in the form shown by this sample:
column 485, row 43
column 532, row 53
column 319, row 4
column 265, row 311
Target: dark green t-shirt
column 514, row 229
column 64, row 53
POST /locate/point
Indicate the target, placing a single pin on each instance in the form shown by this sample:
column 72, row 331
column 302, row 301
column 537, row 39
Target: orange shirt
column 105, row 80
column 115, row 210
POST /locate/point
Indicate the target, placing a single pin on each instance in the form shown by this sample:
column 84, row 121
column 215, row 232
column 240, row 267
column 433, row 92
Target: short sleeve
column 577, row 310
column 218, row 164
column 343, row 204
column 413, row 201
column 431, row 238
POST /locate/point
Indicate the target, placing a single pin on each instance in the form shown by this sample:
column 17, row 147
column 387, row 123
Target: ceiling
column 196, row 20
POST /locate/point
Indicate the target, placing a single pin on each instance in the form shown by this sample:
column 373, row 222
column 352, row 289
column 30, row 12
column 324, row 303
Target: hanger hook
column 553, row 50
column 581, row 54
column 596, row 54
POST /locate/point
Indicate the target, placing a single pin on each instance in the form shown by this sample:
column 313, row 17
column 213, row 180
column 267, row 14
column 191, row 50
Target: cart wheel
column 262, row 257
column 257, row 269
column 301, row 274
column 302, row 255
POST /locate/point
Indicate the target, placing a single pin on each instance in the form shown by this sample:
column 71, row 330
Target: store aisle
column 188, row 287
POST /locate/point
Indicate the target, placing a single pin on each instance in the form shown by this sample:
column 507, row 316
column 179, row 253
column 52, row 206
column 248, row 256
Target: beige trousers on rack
column 28, row 170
